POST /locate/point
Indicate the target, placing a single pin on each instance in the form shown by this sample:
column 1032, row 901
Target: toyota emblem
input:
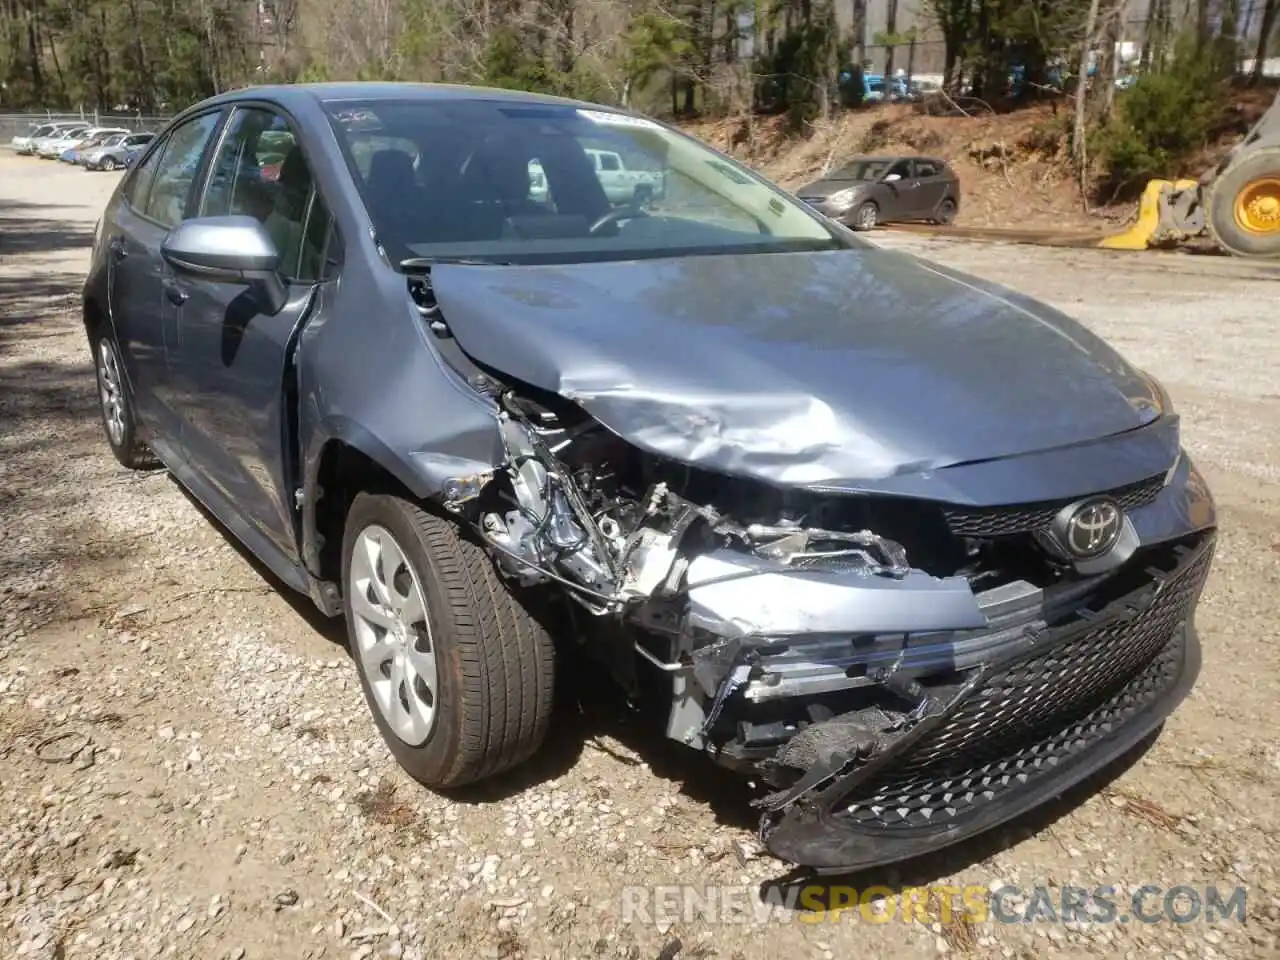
column 1092, row 529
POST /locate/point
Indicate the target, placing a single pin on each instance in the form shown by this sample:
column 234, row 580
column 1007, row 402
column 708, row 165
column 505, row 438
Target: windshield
column 861, row 170
column 543, row 183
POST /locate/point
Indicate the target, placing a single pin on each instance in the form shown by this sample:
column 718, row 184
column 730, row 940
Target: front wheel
column 108, row 164
column 1244, row 205
column 457, row 674
column 867, row 217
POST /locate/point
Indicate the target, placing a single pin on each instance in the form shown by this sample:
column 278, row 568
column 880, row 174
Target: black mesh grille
column 1044, row 709
column 1023, row 518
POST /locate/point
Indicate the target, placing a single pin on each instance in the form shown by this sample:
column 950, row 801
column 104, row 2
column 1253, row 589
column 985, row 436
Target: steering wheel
column 629, row 212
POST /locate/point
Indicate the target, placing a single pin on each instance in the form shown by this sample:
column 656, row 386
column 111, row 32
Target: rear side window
column 176, row 171
column 927, row 168
column 139, row 184
column 608, row 161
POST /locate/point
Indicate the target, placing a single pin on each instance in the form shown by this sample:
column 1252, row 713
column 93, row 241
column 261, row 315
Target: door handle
column 177, row 296
column 117, row 247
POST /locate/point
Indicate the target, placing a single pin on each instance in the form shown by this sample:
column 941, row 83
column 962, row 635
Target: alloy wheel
column 867, row 216
column 393, row 634
column 111, row 392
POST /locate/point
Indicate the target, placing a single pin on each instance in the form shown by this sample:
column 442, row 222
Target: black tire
column 495, row 664
column 866, row 217
column 946, row 211
column 643, row 194
column 108, row 164
column 1231, row 235
column 122, row 435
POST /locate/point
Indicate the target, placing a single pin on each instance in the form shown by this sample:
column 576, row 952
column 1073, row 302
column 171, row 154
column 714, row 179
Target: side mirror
column 234, row 249
column 893, row 178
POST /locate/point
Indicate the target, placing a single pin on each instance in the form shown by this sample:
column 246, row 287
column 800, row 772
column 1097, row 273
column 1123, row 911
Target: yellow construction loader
column 1238, row 204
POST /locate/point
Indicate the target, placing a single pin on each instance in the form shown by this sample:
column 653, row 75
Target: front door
column 153, row 201
column 229, row 366
column 903, row 193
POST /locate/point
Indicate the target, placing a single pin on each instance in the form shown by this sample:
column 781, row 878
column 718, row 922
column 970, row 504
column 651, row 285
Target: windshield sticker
column 617, row 119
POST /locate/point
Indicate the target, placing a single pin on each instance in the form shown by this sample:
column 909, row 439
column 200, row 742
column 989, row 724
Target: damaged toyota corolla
column 910, row 551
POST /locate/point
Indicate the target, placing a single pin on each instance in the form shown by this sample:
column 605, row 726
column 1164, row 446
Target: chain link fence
column 20, row 124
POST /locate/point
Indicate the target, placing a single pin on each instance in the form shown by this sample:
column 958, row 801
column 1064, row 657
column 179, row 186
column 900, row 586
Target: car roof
column 340, row 91
column 890, row 158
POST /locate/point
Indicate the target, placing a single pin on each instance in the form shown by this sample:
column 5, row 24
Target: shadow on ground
column 33, row 228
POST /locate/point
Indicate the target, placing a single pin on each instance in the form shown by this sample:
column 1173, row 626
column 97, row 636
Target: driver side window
column 902, row 168
column 260, row 171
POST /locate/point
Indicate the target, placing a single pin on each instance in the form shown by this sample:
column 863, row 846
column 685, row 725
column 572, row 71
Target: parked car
column 76, row 138
column 912, row 552
column 52, row 143
column 867, row 191
column 26, row 143
column 111, row 154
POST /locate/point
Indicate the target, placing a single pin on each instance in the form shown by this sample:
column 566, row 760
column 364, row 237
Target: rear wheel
column 867, row 216
column 457, row 674
column 946, row 212
column 117, row 407
column 1244, row 206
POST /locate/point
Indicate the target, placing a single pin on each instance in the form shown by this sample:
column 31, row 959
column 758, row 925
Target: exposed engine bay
column 726, row 586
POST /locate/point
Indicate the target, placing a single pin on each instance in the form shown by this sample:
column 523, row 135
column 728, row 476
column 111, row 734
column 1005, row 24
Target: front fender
column 423, row 472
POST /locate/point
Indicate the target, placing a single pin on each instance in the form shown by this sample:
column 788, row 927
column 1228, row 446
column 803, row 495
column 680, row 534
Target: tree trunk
column 1109, row 65
column 859, row 21
column 1270, row 15
column 1078, row 151
column 891, row 28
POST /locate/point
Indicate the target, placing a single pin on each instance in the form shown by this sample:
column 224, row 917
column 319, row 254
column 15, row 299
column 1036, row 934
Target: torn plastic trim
column 826, row 784
column 824, row 843
column 733, row 594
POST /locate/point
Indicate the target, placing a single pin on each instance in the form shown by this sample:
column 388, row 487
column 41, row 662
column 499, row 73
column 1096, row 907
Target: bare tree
column 1078, row 150
column 1270, row 17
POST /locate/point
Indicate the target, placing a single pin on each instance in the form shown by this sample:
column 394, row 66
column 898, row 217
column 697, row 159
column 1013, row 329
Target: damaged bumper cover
column 1003, row 738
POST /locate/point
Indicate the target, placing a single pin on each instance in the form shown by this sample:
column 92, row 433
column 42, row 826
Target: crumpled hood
column 805, row 368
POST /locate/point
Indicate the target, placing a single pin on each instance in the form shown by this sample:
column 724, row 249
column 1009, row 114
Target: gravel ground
column 189, row 769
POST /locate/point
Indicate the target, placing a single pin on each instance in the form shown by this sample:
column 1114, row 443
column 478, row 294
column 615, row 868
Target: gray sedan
column 871, row 190
column 110, row 155
column 909, row 551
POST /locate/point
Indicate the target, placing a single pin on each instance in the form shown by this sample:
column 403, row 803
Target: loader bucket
column 1166, row 211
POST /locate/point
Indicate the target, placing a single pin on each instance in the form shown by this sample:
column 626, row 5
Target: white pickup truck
column 620, row 184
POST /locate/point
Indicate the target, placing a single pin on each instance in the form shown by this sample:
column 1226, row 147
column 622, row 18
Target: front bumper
column 1012, row 734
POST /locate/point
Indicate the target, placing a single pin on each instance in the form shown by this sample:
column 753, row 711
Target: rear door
column 933, row 180
column 153, row 200
column 230, row 358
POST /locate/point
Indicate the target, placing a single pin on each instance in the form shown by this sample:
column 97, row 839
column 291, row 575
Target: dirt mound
column 1014, row 168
